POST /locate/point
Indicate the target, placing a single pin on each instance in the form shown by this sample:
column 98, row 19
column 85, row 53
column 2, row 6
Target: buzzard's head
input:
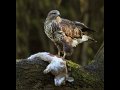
column 53, row 14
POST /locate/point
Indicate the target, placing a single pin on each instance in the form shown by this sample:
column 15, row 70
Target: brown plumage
column 64, row 33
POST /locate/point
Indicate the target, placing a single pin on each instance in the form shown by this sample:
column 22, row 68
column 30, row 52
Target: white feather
column 84, row 38
column 74, row 43
column 59, row 80
column 42, row 55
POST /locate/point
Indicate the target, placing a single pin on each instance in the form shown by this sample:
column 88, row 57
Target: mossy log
column 29, row 75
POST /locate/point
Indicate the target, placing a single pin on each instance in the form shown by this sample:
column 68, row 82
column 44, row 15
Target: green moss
column 83, row 77
column 74, row 67
column 72, row 64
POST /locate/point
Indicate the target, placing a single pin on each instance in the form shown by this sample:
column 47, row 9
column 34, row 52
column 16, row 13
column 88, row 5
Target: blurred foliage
column 31, row 14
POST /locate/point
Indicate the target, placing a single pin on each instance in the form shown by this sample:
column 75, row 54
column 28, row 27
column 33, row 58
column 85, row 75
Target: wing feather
column 83, row 27
column 70, row 29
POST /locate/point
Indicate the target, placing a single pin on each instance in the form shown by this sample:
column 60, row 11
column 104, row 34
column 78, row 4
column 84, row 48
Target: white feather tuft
column 84, row 38
column 75, row 43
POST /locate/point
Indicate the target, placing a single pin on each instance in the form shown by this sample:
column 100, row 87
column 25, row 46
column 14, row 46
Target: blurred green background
column 30, row 17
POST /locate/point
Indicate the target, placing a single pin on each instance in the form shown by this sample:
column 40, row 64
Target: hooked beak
column 58, row 14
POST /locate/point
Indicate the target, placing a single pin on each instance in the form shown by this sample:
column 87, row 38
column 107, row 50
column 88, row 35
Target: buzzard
column 64, row 33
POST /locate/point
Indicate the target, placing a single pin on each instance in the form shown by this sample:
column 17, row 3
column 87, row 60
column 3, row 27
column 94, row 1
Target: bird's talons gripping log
column 30, row 73
column 57, row 66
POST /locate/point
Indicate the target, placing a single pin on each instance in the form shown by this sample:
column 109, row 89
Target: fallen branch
column 30, row 76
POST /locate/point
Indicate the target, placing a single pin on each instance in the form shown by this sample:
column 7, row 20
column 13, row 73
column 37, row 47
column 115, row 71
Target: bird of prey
column 65, row 33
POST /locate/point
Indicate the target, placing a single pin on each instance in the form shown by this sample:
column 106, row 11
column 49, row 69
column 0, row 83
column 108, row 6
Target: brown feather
column 70, row 29
column 64, row 33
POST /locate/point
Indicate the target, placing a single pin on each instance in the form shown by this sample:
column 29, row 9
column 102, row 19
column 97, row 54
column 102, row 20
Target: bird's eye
column 53, row 13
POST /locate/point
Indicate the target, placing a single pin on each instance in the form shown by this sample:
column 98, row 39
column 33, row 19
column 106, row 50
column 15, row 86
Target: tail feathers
column 85, row 38
column 92, row 39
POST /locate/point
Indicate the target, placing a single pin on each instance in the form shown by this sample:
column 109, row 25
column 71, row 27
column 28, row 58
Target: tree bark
column 29, row 75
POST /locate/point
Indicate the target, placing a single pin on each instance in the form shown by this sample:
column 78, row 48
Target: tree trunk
column 29, row 75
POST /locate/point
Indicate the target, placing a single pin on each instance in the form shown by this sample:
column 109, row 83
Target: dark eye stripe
column 52, row 13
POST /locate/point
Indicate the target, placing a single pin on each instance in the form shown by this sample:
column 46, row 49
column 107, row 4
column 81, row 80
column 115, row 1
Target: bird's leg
column 64, row 55
column 58, row 50
column 58, row 47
